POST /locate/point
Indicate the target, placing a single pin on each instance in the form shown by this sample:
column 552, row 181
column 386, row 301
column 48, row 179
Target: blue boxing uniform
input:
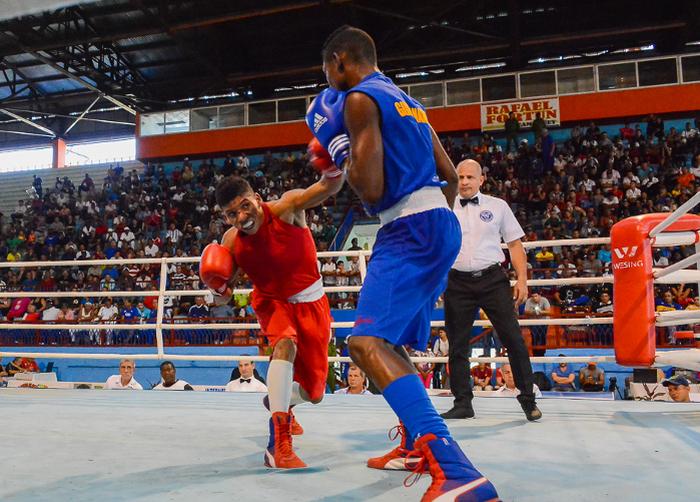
column 420, row 236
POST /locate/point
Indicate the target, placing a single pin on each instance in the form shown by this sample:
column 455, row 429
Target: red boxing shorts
column 309, row 325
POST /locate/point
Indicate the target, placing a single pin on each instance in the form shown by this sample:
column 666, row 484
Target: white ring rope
column 663, row 319
column 574, row 321
column 332, row 359
column 246, row 291
column 675, row 215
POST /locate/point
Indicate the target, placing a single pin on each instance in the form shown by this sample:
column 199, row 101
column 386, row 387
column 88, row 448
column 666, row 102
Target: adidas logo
column 319, row 120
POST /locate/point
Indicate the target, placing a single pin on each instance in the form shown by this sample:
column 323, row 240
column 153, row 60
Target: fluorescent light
column 554, row 58
column 695, row 42
column 481, row 66
column 412, row 74
column 641, row 48
column 306, row 86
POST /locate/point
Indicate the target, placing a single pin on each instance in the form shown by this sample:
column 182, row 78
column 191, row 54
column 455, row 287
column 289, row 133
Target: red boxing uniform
column 280, row 259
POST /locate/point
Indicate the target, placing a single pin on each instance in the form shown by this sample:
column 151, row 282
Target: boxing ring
column 78, row 445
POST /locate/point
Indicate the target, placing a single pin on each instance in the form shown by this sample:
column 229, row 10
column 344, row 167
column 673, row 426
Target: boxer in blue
column 395, row 162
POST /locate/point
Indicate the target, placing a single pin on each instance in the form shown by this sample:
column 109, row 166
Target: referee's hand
column 520, row 292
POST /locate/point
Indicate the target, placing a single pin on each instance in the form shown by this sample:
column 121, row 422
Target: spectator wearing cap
column 126, row 238
column 678, row 389
column 591, row 378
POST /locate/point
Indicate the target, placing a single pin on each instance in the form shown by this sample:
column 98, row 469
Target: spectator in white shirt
column 125, row 379
column 247, row 381
column 169, row 380
column 50, row 313
column 509, row 389
column 633, row 192
column 127, row 238
column 328, row 270
column 441, row 348
column 357, row 382
column 152, row 249
column 108, row 314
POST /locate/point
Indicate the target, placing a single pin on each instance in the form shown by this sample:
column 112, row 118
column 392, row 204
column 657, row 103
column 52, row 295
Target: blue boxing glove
column 325, row 119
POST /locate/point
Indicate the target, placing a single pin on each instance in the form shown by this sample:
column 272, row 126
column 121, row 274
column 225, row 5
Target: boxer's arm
column 445, row 169
column 365, row 166
column 306, row 198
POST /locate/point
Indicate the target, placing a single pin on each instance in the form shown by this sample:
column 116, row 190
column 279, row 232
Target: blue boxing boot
column 454, row 476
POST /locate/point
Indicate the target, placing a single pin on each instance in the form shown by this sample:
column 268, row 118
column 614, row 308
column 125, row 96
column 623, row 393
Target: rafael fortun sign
column 493, row 116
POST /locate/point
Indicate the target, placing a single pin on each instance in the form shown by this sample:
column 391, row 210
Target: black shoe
column 532, row 412
column 459, row 411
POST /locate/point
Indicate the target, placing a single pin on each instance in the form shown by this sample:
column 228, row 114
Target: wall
column 574, row 108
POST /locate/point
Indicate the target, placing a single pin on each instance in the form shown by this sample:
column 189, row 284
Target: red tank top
column 279, row 258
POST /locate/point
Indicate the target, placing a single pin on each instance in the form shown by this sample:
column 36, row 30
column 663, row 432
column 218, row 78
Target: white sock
column 296, row 395
column 279, row 385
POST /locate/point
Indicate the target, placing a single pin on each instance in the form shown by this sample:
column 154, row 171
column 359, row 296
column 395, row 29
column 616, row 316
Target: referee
column 478, row 281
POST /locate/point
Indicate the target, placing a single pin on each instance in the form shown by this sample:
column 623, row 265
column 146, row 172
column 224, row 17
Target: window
column 498, row 88
column 204, row 118
column 429, row 95
column 177, row 121
column 291, row 109
column 232, row 116
column 691, row 68
column 151, row 124
column 657, row 72
column 463, row 91
column 263, row 112
column 573, row 80
column 542, row 83
column 617, row 76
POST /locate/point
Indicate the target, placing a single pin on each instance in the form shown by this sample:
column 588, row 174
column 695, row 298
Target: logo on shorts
column 486, row 215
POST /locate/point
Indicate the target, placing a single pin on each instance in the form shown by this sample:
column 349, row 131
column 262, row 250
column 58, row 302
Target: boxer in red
column 271, row 243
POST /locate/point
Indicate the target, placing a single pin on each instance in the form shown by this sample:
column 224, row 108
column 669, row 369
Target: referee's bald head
column 470, row 164
column 470, row 178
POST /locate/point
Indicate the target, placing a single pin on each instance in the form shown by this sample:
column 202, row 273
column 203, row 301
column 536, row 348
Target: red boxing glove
column 216, row 268
column 321, row 160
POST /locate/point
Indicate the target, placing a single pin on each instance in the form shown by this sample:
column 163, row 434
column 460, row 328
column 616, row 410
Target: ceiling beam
column 155, row 29
column 27, row 121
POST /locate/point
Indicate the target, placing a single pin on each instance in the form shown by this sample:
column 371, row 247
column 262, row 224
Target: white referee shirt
column 238, row 385
column 483, row 226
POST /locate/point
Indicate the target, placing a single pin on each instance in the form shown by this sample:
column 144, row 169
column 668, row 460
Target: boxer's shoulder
column 285, row 208
column 229, row 238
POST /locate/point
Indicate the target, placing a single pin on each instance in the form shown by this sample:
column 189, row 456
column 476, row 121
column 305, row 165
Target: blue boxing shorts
column 406, row 275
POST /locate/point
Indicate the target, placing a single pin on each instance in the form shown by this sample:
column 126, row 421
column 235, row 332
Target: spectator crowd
column 576, row 187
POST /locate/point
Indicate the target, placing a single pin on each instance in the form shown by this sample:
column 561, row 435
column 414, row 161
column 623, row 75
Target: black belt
column 477, row 273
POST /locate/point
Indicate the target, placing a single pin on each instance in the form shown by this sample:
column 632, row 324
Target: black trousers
column 465, row 294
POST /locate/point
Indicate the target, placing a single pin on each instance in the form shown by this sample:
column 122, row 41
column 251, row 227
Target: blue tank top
column 409, row 164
